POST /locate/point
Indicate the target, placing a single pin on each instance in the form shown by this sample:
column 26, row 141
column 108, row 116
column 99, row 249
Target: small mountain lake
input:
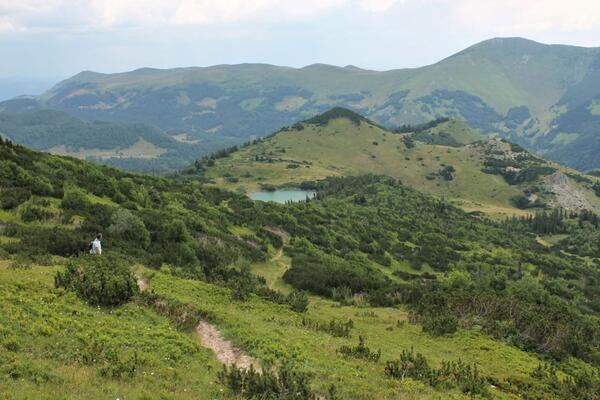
column 282, row 196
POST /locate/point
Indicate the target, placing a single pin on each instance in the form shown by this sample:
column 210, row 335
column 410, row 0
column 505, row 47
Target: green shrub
column 334, row 327
column 99, row 280
column 18, row 369
column 342, row 295
column 360, row 351
column 118, row 366
column 284, row 384
column 128, row 228
column 13, row 196
column 439, row 325
column 298, row 301
column 33, row 213
column 466, row 377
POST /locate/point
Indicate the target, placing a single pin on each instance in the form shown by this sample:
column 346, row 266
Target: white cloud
column 377, row 5
column 101, row 14
column 489, row 16
column 218, row 11
column 526, row 16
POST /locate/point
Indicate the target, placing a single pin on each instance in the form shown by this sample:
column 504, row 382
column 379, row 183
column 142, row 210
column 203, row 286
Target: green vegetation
column 457, row 374
column 494, row 176
column 285, row 384
column 360, row 351
column 336, row 286
column 105, row 281
column 133, row 146
column 54, row 345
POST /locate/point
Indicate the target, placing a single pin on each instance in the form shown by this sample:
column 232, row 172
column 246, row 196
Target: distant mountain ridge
column 132, row 146
column 544, row 97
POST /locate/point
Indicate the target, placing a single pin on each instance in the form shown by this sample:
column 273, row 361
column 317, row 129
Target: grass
column 341, row 148
column 272, row 270
column 344, row 149
column 270, row 332
column 140, row 149
column 54, row 346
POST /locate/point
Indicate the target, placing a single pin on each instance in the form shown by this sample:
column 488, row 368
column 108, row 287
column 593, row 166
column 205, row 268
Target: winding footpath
column 212, row 339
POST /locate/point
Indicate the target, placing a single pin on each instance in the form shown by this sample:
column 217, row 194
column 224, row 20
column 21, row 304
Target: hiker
column 96, row 245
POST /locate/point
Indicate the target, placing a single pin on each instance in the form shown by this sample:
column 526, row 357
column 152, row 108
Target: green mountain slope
column 472, row 307
column 491, row 176
column 543, row 97
column 127, row 145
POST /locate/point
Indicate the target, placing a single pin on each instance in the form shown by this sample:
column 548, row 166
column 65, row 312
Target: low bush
column 13, row 196
column 463, row 376
column 33, row 213
column 284, row 384
column 361, row 351
column 99, row 280
column 298, row 301
column 334, row 327
column 439, row 325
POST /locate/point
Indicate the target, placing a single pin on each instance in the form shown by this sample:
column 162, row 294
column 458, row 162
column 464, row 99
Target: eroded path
column 226, row 352
column 212, row 339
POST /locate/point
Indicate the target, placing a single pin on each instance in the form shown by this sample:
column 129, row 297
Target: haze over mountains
column 544, row 97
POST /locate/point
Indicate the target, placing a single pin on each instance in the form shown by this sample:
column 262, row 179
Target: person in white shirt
column 96, row 246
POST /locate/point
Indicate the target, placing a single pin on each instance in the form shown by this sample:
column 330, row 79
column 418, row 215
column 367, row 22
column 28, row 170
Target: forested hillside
column 443, row 157
column 400, row 293
column 132, row 146
column 543, row 97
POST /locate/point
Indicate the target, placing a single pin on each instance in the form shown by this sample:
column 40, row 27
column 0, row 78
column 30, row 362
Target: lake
column 282, row 196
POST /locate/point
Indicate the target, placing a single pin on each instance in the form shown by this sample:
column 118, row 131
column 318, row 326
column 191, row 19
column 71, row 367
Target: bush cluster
column 334, row 327
column 99, row 280
column 413, row 365
column 360, row 351
column 285, row 383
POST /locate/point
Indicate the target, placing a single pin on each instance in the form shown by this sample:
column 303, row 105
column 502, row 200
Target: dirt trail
column 225, row 351
column 212, row 339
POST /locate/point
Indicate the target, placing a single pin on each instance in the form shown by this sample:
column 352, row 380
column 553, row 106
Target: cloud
column 377, row 5
column 526, row 16
column 216, row 11
column 487, row 17
column 52, row 15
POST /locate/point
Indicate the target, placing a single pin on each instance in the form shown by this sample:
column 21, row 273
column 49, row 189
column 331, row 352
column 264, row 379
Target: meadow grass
column 54, row 346
column 271, row 332
column 341, row 148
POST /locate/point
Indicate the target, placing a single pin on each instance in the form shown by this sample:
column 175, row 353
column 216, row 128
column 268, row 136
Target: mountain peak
column 337, row 113
column 506, row 46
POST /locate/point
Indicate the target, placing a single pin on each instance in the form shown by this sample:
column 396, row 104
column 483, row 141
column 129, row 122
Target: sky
column 43, row 41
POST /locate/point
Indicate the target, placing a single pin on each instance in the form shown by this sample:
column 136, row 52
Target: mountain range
column 543, row 97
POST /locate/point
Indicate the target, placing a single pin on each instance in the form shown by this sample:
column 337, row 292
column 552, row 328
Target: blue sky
column 52, row 39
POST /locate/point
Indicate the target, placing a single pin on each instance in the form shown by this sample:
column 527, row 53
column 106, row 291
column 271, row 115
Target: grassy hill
column 541, row 96
column 445, row 158
column 133, row 146
column 448, row 305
